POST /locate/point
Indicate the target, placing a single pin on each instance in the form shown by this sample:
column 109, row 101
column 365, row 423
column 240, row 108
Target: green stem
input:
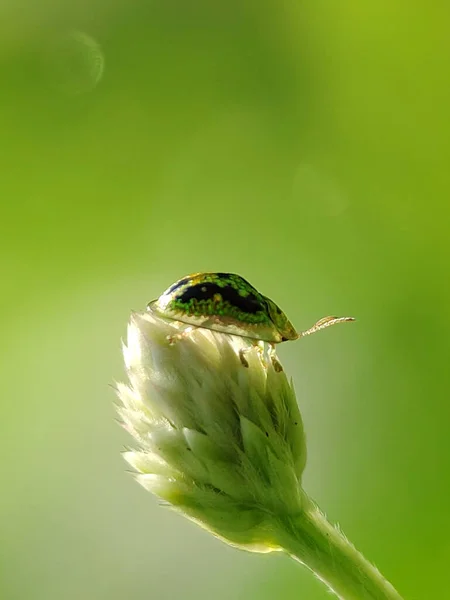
column 313, row 541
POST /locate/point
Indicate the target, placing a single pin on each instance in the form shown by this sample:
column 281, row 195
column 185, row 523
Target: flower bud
column 221, row 443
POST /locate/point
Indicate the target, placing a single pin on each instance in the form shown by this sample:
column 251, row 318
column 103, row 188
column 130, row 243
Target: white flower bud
column 222, row 443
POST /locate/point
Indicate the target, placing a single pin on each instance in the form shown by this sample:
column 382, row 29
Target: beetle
column 228, row 303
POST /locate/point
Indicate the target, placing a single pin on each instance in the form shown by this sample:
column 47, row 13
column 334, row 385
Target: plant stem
column 313, row 541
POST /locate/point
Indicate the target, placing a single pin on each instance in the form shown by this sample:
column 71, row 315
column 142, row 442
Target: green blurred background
column 303, row 145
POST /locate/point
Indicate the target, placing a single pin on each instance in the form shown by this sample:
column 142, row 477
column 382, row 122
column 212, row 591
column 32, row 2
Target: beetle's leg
column 242, row 353
column 274, row 358
column 258, row 345
column 175, row 337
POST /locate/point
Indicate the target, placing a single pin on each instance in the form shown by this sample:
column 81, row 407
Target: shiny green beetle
column 228, row 303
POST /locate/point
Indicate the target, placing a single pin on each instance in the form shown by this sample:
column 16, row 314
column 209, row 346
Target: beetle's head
column 279, row 319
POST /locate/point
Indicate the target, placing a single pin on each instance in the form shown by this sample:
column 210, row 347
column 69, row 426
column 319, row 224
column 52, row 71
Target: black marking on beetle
column 178, row 284
column 205, row 291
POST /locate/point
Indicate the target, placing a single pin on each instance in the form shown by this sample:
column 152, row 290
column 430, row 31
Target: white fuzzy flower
column 224, row 445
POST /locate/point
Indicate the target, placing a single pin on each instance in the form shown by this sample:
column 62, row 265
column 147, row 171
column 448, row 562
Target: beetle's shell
column 224, row 302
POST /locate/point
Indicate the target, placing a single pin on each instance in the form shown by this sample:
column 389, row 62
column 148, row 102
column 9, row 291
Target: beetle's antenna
column 324, row 323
